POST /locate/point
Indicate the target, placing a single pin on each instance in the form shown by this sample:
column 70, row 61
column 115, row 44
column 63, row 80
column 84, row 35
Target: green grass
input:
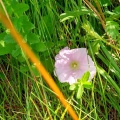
column 23, row 92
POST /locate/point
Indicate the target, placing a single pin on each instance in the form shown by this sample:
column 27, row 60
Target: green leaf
column 7, row 48
column 72, row 87
column 117, row 10
column 47, row 24
column 24, row 68
column 85, row 77
column 2, row 43
column 35, row 71
column 87, row 85
column 61, row 43
column 95, row 47
column 48, row 63
column 2, row 35
column 106, row 76
column 20, row 8
column 26, row 24
column 20, row 58
column 71, row 14
column 39, row 47
column 109, row 56
column 32, row 38
column 105, row 2
column 9, row 39
column 17, row 22
column 7, row 43
column 112, row 29
column 16, row 52
column 87, row 26
column 49, row 44
column 80, row 91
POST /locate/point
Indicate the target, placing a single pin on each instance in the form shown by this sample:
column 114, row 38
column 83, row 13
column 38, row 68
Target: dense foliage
column 48, row 26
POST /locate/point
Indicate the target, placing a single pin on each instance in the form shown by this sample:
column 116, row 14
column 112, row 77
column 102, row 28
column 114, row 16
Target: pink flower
column 70, row 65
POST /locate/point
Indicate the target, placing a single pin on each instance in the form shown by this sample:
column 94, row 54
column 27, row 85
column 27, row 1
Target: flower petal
column 66, row 57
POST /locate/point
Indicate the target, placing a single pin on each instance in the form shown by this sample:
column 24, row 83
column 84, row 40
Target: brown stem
column 100, row 10
column 95, row 11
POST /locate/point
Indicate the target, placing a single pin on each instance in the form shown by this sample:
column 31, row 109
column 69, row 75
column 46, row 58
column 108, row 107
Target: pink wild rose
column 70, row 65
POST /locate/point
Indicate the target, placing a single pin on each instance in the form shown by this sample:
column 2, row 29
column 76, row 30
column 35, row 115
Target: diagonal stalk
column 38, row 64
column 95, row 11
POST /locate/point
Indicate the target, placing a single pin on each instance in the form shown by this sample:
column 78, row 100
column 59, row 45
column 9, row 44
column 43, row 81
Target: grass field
column 48, row 26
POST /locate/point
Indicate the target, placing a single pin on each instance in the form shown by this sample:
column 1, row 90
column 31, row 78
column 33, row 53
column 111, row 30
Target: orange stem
column 38, row 64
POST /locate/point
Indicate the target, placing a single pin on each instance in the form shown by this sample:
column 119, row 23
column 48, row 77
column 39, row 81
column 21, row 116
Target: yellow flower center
column 74, row 65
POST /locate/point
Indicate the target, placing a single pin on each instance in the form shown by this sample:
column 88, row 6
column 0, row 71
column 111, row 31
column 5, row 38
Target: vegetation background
column 48, row 26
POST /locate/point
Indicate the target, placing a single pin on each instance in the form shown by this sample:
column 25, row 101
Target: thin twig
column 100, row 10
column 95, row 11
